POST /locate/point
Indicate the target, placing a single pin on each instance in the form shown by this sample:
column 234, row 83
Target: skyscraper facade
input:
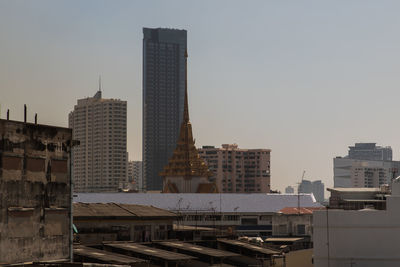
column 100, row 161
column 314, row 187
column 163, row 99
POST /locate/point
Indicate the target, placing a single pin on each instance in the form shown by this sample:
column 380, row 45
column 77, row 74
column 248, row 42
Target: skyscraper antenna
column 100, row 83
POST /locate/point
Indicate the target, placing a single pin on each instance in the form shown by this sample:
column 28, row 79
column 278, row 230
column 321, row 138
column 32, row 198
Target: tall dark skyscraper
column 163, row 99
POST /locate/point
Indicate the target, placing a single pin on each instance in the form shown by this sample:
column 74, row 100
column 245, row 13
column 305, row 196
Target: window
column 301, row 229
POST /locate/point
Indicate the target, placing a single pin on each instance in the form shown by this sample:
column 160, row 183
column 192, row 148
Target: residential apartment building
column 237, row 170
column 163, row 99
column 135, row 174
column 363, row 173
column 100, row 162
column 366, row 165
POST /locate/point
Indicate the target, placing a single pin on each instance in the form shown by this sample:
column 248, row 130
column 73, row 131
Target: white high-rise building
column 363, row 173
column 135, row 174
column 100, row 161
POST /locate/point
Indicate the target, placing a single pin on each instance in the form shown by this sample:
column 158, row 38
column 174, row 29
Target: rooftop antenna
column 100, row 83
column 24, row 113
column 298, row 192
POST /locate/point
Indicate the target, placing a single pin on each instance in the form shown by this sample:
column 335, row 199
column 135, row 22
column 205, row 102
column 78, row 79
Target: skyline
column 306, row 80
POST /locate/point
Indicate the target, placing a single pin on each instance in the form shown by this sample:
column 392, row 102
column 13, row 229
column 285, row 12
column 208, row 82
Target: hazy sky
column 303, row 78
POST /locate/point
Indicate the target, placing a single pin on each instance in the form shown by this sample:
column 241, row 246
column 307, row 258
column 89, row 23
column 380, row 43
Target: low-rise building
column 358, row 198
column 97, row 222
column 244, row 214
column 366, row 237
column 292, row 221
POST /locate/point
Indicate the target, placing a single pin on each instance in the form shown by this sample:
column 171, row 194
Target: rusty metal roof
column 105, row 256
column 151, row 252
column 254, row 248
column 114, row 210
column 181, row 246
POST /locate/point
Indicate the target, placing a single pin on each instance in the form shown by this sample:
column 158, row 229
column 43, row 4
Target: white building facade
column 100, row 161
column 363, row 173
column 135, row 174
column 364, row 237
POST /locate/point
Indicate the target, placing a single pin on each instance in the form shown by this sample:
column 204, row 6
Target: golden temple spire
column 185, row 160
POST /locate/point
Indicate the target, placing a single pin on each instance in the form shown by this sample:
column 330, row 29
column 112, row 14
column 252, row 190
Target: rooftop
column 189, row 202
column 149, row 251
column 295, row 210
column 198, row 249
column 104, row 256
column 250, row 247
column 354, row 189
column 91, row 210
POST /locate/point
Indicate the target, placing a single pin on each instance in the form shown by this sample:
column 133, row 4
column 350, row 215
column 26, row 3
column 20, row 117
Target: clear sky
column 303, row 78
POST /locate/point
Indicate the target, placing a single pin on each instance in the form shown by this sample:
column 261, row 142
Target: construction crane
column 298, row 192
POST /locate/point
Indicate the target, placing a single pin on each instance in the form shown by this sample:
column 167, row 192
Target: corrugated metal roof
column 200, row 250
column 249, row 203
column 355, row 189
column 254, row 248
column 149, row 251
column 105, row 256
column 118, row 210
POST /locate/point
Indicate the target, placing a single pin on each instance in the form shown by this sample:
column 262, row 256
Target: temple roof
column 186, row 161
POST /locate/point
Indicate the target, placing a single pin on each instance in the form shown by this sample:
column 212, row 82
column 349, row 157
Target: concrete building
column 294, row 222
column 35, row 193
column 289, row 190
column 100, row 162
column 238, row 170
column 366, row 237
column 163, row 99
column 98, row 222
column 135, row 174
column 358, row 198
column 363, row 173
column 245, row 214
column 369, row 151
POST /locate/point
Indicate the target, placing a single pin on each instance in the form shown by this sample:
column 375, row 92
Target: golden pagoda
column 186, row 172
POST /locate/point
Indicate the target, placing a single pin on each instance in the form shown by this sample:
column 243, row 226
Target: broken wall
column 35, row 192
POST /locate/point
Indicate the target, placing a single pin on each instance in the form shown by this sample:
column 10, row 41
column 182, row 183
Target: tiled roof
column 204, row 202
column 303, row 210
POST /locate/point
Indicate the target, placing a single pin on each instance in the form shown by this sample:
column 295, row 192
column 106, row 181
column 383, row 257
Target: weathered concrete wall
column 35, row 192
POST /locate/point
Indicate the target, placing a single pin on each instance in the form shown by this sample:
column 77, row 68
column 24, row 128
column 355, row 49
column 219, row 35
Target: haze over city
column 305, row 79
